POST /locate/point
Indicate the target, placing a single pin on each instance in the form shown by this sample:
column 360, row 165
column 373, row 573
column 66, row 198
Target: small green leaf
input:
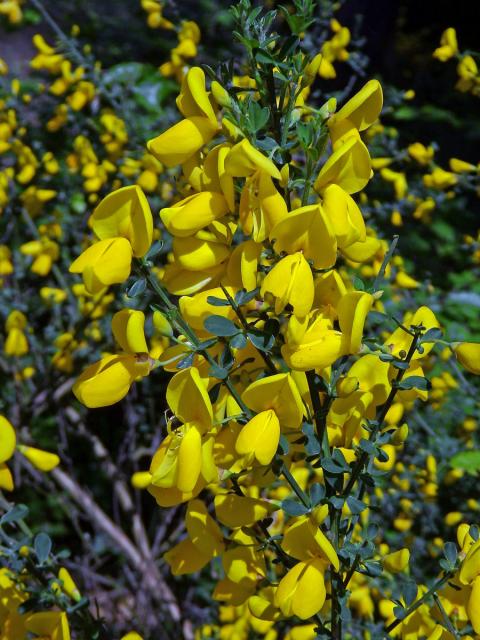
column 293, row 508
column 284, row 445
column 217, row 302
column 238, row 342
column 16, row 513
column 220, row 326
column 261, row 340
column 468, row 461
column 216, row 371
column 450, row 552
column 415, row 382
column 242, row 296
column 431, row 335
column 137, row 288
column 337, row 502
column 409, row 592
column 355, row 506
column 317, row 493
column 154, row 250
column 42, row 545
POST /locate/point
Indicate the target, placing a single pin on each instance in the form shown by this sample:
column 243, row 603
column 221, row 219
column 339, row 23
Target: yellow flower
column 68, row 584
column 6, row 266
column 104, row 263
column 258, row 439
column 345, row 216
column 53, row 295
column 312, row 345
column 278, row 393
column 301, row 591
column 467, row 70
column 243, row 265
column 290, row 281
column 187, row 397
column 400, row 340
column 348, row 167
column 125, row 213
column 109, row 380
column 307, row 230
column 52, row 625
column 179, row 143
column 184, row 462
column 422, row 154
column 397, row 560
column 241, row 511
column 45, row 251
column 468, row 354
column 244, row 160
column 193, row 100
column 261, row 206
column 440, row 179
column 303, row 539
column 360, row 112
column 8, row 439
column 16, row 343
column 193, row 213
column 352, row 312
column 41, row 460
column 448, row 45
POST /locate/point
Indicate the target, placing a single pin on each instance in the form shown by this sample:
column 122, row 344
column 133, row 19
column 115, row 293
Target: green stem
column 301, row 495
column 362, row 461
column 320, row 413
column 388, row 256
column 284, row 558
column 183, row 327
column 266, row 358
column 448, row 622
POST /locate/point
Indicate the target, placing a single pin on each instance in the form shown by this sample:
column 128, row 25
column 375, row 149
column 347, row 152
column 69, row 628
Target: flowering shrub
column 296, row 449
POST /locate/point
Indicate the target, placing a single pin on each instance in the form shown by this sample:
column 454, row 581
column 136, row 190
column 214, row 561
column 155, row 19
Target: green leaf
column 137, row 288
column 409, row 592
column 358, row 284
column 154, row 250
column 468, row 461
column 16, row 513
column 373, row 569
column 126, row 72
column 218, row 372
column 450, row 552
column 415, row 382
column 242, row 296
column 317, row 493
column 217, row 302
column 355, row 506
column 258, row 116
column 431, row 335
column 261, row 340
column 77, row 203
column 337, row 502
column 330, row 466
column 220, row 326
column 283, row 445
column 238, row 342
column 293, row 508
column 42, row 545
column 367, row 446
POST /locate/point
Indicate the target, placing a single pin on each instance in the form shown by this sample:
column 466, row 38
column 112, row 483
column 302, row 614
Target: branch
column 152, row 576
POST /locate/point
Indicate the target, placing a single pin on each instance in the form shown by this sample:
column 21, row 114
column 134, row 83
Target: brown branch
column 153, row 578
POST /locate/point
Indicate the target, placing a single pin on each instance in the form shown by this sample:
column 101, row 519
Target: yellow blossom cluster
column 243, row 258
